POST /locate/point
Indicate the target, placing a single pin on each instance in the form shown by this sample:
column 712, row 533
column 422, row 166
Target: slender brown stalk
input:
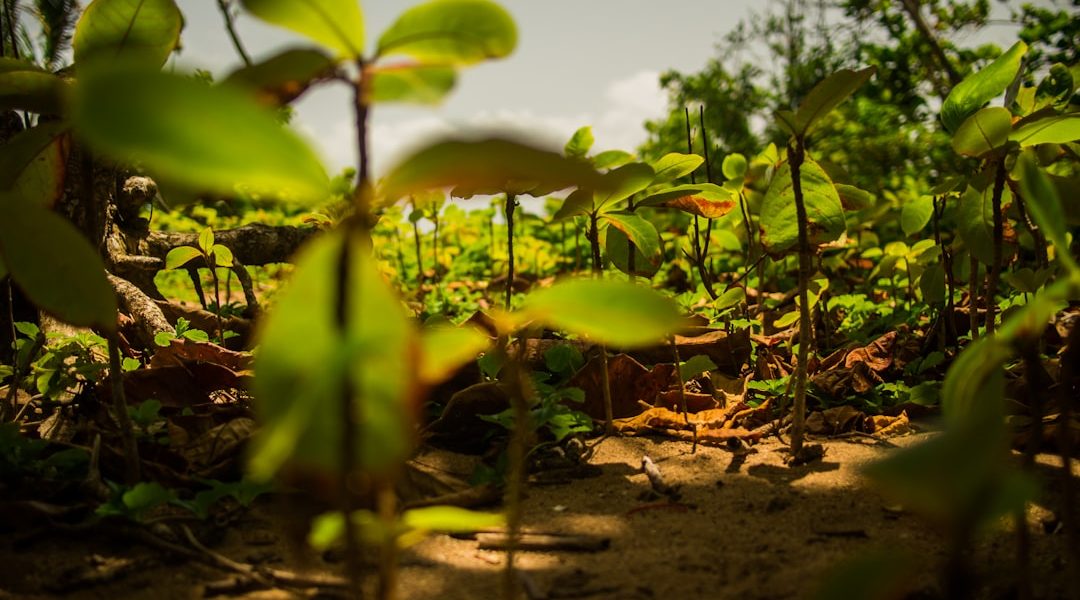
column 127, row 434
column 798, row 422
column 682, row 393
column 995, row 267
column 520, row 399
column 230, row 27
column 973, row 298
column 508, row 210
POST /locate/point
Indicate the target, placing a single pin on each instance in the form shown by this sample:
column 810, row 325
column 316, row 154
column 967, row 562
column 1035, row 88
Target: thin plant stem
column 798, row 422
column 973, row 298
column 520, row 399
column 230, row 27
column 127, row 434
column 419, row 257
column 682, row 393
column 510, row 206
column 995, row 267
column 217, row 301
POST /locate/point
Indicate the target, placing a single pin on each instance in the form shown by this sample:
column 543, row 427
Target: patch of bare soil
column 744, row 526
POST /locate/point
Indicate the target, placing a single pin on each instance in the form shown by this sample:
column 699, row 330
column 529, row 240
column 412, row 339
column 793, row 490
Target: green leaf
column 877, row 573
column 853, row 198
column 1044, row 204
column 216, row 138
column 164, row 338
column 974, row 387
column 445, row 349
column 144, row 30
column 57, row 268
column 282, row 78
column 981, row 87
column 696, row 366
column 617, row 313
column 196, row 335
column 648, row 255
column 788, row 319
column 206, row 240
column 578, row 203
column 621, row 183
column 299, row 387
column 580, row 143
column 223, row 257
column 24, row 86
column 735, row 167
column 932, row 285
column 609, row 159
column 779, row 221
column 34, row 163
column 983, row 132
column 336, row 24
column 827, row 95
column 975, row 220
column 451, row 32
column 730, row 299
column 181, row 255
column 419, row 84
column 492, row 164
column 145, row 496
column 450, row 519
column 675, row 165
column 1058, row 129
column 916, row 214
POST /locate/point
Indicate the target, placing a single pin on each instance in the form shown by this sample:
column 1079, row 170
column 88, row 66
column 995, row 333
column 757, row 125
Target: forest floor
column 746, row 526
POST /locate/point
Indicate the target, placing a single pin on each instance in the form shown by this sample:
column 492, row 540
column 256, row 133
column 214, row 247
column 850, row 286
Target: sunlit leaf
column 621, row 183
column 57, row 268
column 983, row 132
column 981, row 87
column 24, row 86
column 779, row 220
column 451, row 32
column 579, row 144
column 34, row 163
column 445, row 349
column 206, row 239
column 617, row 313
column 215, row 138
column 223, row 257
column 1044, row 204
column 617, row 249
column 450, row 519
column 827, row 95
column 915, row 214
column 853, row 198
column 336, row 24
column 609, row 159
column 484, row 164
column 181, row 255
column 675, row 165
column 735, row 167
column 730, row 299
column 578, row 203
column 705, row 191
column 712, row 202
column 144, row 30
column 299, row 387
column 420, row 84
column 1058, row 129
column 283, row 77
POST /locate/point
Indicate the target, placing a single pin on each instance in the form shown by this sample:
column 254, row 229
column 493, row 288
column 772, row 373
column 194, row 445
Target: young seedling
column 215, row 256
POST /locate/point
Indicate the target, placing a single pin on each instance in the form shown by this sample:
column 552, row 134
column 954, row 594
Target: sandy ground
column 746, row 527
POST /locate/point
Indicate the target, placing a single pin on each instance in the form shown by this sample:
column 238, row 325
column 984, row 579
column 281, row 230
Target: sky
column 578, row 62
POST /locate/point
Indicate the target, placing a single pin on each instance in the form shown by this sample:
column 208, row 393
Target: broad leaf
column 916, row 214
column 609, row 159
column 1058, row 129
column 730, row 299
column 853, row 198
column 420, row 84
column 443, row 350
column 973, row 390
column 336, row 24
column 222, row 256
column 1044, row 204
column 34, row 163
column 675, row 165
column 735, row 167
column 24, row 86
column 621, row 183
column 180, row 256
column 299, row 387
column 981, row 87
column 215, row 138
column 579, row 144
column 975, row 220
column 827, row 95
column 57, row 268
column 711, row 202
column 492, row 164
column 451, row 32
column 706, row 191
column 282, row 78
column 779, row 219
column 144, row 30
column 617, row 313
column 578, row 203
column 624, row 228
column 983, row 132
column 932, row 285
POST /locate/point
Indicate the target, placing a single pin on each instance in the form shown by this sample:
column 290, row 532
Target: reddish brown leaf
column 702, row 207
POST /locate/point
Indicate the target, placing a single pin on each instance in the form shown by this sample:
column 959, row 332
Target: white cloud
column 629, row 103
